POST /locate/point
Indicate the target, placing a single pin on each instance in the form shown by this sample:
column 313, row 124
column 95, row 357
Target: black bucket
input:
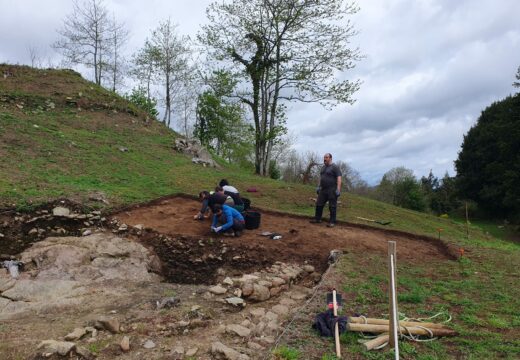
column 252, row 219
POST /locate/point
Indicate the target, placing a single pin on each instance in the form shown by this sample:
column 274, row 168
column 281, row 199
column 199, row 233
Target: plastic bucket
column 252, row 219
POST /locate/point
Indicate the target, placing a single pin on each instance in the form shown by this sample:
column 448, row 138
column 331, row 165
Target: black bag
column 325, row 322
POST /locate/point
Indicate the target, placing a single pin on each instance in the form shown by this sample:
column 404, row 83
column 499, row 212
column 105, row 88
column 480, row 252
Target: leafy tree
column 488, row 165
column 287, row 50
column 139, row 98
column 220, row 125
column 86, row 36
column 400, row 187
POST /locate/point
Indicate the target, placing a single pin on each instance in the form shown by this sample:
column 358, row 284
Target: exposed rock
column 287, row 302
column 193, row 148
column 275, row 291
column 192, row 351
column 149, row 344
column 6, row 281
column 260, row 293
column 247, row 288
column 57, row 347
column 271, row 316
column 110, row 324
column 254, row 346
column 238, row 330
column 228, row 281
column 217, row 290
column 298, row 296
column 85, row 353
column 236, row 301
column 76, row 334
column 265, row 283
column 276, row 281
column 168, row 303
column 308, row 268
column 220, row 349
column 178, row 351
column 246, row 323
column 60, row 211
column 281, row 310
column 257, row 313
column 86, row 232
column 266, row 340
column 125, row 344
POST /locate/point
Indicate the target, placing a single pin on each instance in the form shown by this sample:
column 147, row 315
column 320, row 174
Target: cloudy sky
column 430, row 68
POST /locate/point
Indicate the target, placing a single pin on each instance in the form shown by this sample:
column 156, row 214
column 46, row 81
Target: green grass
column 46, row 153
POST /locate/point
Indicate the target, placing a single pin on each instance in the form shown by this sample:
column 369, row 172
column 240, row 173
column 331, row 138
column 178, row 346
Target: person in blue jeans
column 233, row 222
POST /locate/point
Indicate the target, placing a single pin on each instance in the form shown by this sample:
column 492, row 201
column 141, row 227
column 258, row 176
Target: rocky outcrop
column 193, row 148
column 64, row 271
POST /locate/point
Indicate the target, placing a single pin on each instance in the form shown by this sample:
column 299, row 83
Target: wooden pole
column 373, row 321
column 378, row 341
column 394, row 319
column 414, row 330
column 336, row 327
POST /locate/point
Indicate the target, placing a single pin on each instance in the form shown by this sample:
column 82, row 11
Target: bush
column 139, row 98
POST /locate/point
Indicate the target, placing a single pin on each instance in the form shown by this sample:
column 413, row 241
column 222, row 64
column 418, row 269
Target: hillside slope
column 64, row 137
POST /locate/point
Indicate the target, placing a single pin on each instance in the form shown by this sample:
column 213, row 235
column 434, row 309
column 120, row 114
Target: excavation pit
column 191, row 253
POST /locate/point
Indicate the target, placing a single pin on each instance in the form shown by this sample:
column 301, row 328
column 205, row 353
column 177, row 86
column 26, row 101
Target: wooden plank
column 380, row 329
column 360, row 320
column 378, row 341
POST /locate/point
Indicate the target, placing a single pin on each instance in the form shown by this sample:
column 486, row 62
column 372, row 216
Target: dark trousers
column 327, row 195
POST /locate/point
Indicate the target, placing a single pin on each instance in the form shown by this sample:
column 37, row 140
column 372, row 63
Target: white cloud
column 431, row 67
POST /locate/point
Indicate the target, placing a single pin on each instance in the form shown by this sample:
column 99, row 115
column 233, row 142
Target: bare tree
column 284, row 50
column 34, row 56
column 85, row 35
column 171, row 57
column 118, row 37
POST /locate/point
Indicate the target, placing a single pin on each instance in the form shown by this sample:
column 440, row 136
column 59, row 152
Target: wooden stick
column 336, row 327
column 378, row 341
column 414, row 330
column 360, row 320
column 394, row 319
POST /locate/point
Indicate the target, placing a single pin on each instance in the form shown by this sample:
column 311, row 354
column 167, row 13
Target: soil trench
column 193, row 254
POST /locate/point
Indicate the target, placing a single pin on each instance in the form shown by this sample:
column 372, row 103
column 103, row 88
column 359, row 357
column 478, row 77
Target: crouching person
column 232, row 221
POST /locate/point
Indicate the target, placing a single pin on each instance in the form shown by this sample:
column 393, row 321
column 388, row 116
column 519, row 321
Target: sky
column 429, row 68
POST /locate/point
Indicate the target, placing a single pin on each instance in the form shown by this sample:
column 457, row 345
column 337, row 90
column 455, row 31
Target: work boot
column 317, row 215
column 238, row 233
column 331, row 225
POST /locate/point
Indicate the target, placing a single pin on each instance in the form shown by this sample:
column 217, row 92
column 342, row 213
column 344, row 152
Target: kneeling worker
column 232, row 221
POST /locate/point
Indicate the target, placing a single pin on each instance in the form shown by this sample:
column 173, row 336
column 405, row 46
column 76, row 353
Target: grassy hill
column 62, row 136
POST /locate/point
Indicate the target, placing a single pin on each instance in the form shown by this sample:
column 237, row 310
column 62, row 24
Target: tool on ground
column 380, row 222
column 13, row 266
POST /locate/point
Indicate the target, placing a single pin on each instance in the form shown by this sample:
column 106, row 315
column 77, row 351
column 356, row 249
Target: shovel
column 381, row 222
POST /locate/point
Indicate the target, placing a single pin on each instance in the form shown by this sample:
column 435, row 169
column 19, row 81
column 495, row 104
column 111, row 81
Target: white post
column 336, row 327
column 394, row 319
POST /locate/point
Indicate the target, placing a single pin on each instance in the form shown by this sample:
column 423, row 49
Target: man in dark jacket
column 328, row 190
column 208, row 202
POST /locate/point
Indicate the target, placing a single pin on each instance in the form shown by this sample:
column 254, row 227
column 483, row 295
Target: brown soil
column 189, row 249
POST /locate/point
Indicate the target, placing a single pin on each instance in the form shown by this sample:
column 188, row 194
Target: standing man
column 328, row 189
